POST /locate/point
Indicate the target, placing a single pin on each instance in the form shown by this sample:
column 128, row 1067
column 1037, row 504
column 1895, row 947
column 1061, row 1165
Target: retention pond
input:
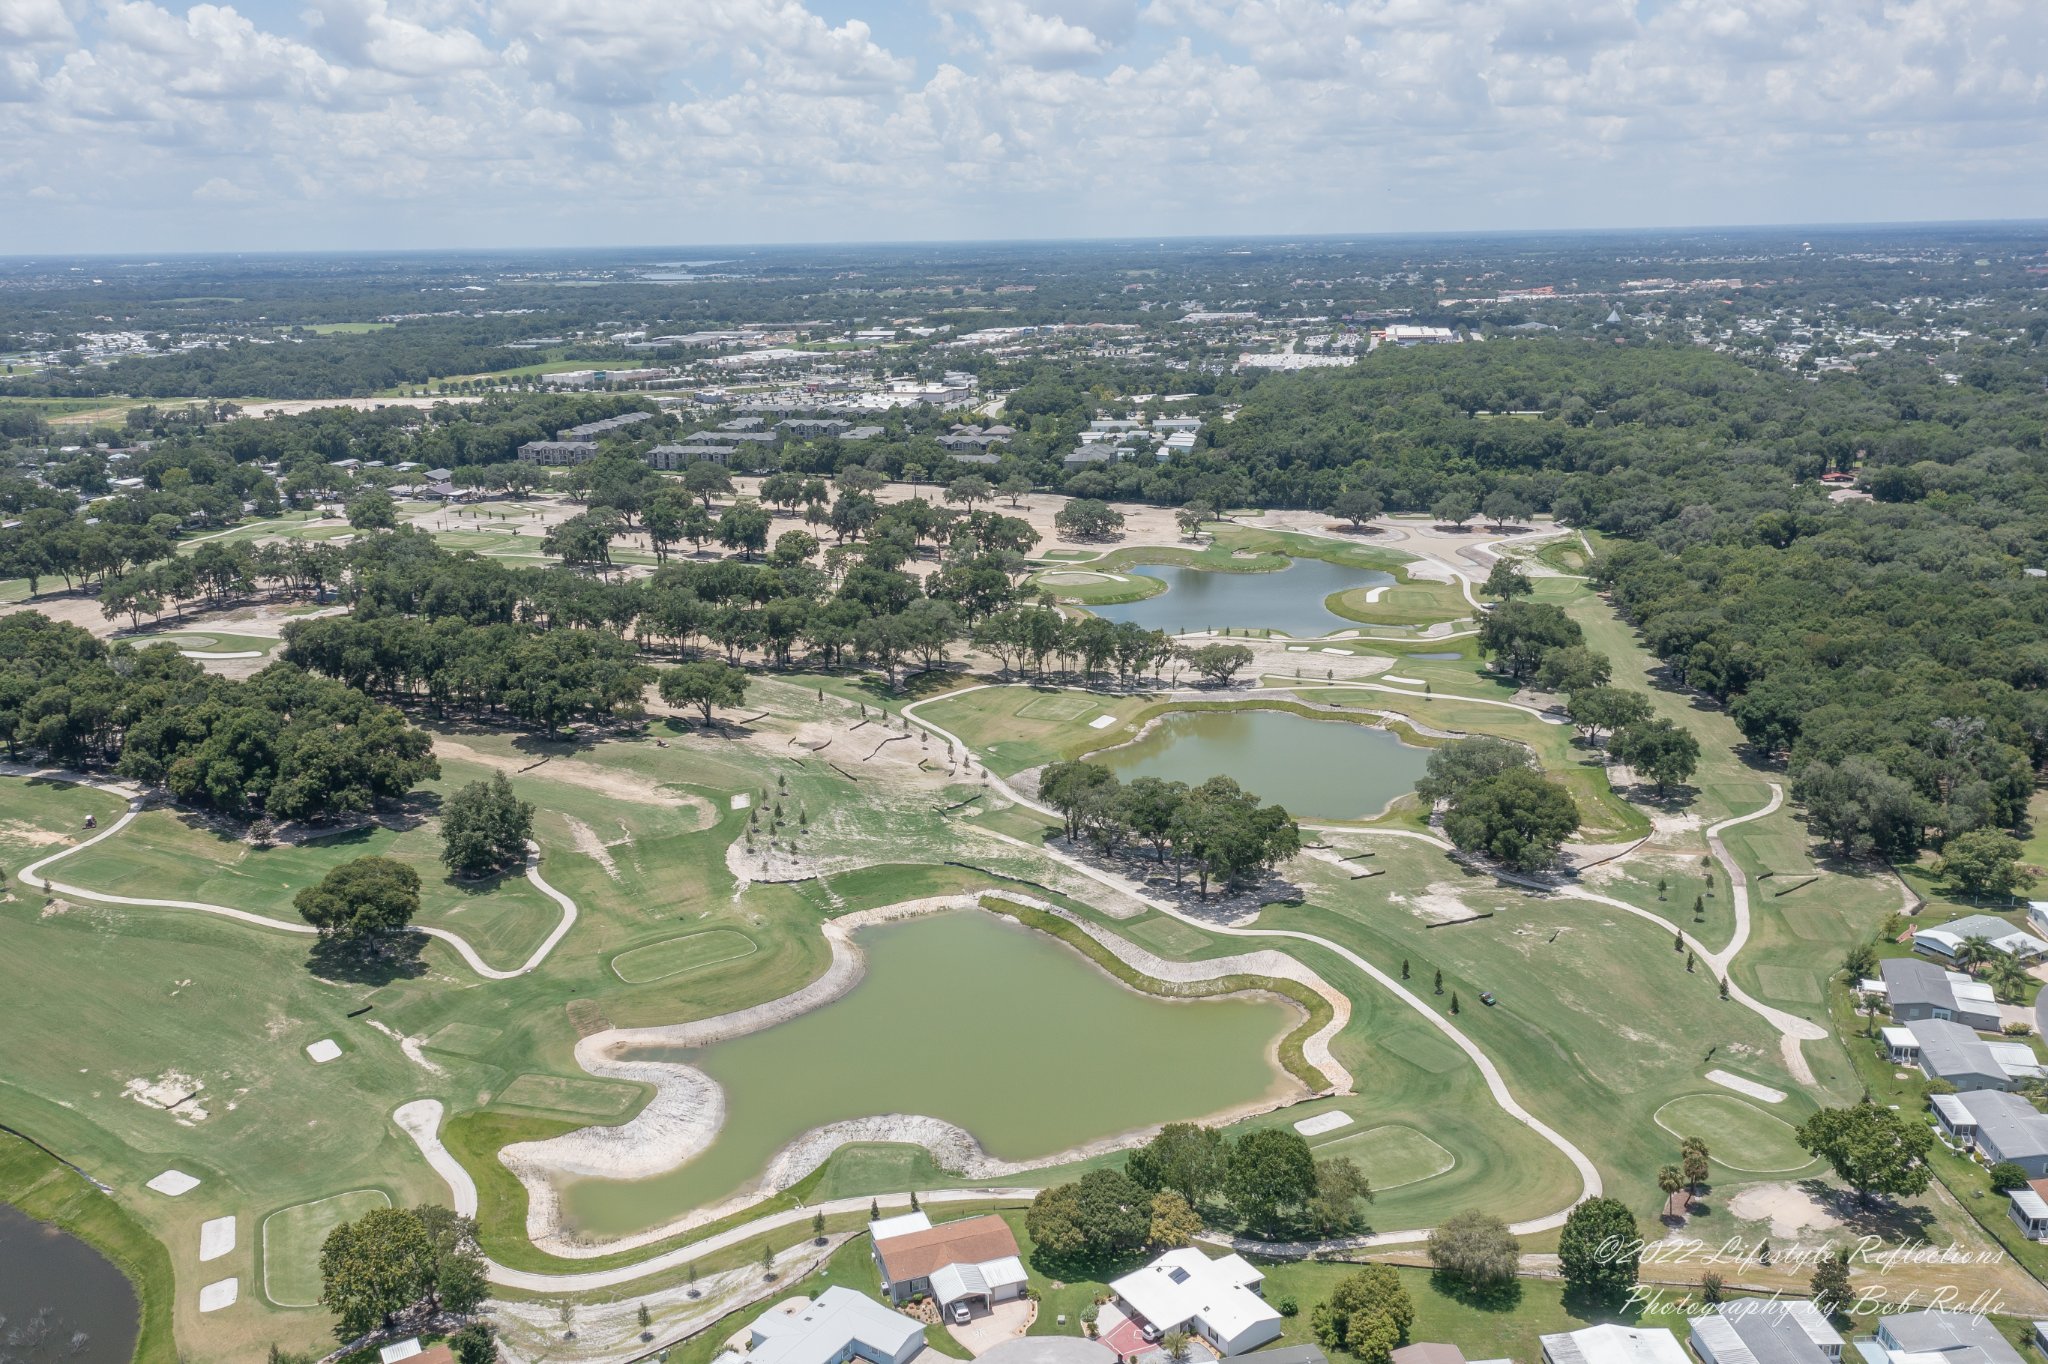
column 59, row 1298
column 1317, row 769
column 1289, row 600
column 975, row 1020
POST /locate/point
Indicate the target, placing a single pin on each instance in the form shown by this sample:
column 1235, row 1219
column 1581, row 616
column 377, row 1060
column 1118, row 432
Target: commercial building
column 673, row 457
column 596, row 430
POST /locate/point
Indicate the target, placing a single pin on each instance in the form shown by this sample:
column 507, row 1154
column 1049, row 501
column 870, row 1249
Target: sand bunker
column 1790, row 1210
column 1439, row 904
column 173, row 1183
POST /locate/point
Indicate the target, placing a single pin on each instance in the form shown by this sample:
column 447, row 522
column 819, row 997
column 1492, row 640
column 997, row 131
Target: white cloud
column 421, row 121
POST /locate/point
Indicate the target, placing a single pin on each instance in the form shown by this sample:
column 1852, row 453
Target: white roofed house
column 1953, row 1052
column 1613, row 1344
column 1766, row 1331
column 1944, row 941
column 838, row 1327
column 1219, row 1301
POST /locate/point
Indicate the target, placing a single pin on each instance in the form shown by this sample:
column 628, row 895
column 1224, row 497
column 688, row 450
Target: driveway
column 990, row 1329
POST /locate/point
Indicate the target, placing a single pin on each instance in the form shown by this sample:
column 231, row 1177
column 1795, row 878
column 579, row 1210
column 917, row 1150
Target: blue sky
column 143, row 125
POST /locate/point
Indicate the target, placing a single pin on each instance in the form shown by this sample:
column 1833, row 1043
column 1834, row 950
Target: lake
column 1290, row 600
column 59, row 1298
column 970, row 1018
column 1317, row 769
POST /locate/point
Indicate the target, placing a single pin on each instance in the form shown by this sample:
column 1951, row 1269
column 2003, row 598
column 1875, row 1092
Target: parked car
column 1150, row 1332
column 961, row 1316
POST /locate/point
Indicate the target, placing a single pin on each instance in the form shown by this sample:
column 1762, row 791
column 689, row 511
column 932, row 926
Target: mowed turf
column 1013, row 728
column 673, row 956
column 1740, row 1135
column 292, row 1238
column 1392, row 1157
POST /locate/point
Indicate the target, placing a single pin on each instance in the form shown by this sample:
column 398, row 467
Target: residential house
column 1218, row 1301
column 1942, row 1338
column 840, row 1325
column 1953, row 1052
column 859, row 433
column 2030, row 1211
column 1946, row 940
column 1998, row 1126
column 1915, row 988
column 974, row 1259
column 1083, row 455
column 1766, row 1331
column 1613, row 1345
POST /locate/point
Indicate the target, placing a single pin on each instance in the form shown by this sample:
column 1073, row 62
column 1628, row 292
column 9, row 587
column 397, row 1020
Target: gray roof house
column 1958, row 1337
column 676, row 456
column 592, row 430
column 1766, row 1331
column 1916, row 988
column 1944, row 940
column 1953, row 1052
column 557, row 452
column 1998, row 1126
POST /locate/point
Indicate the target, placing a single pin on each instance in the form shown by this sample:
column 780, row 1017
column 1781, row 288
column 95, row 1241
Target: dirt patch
column 173, row 1091
column 605, row 781
column 1790, row 1210
column 20, row 832
column 591, row 846
column 1438, row 904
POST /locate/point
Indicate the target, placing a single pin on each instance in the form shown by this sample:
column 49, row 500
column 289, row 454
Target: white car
column 961, row 1316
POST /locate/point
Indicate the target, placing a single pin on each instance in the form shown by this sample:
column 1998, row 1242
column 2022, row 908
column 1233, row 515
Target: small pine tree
column 913, row 1201
column 1404, row 968
column 1439, row 980
column 645, row 1317
column 1677, row 941
column 1699, row 907
column 1689, row 960
column 1663, row 884
column 768, row 1258
column 818, row 1227
column 874, row 1210
column 1454, row 1001
column 1724, row 987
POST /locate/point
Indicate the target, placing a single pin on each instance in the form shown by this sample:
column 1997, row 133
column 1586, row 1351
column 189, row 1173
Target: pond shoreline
column 687, row 1112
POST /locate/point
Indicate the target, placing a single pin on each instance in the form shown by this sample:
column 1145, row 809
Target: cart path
column 32, row 875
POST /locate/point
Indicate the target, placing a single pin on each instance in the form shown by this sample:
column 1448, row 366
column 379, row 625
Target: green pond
column 973, row 1019
column 1320, row 769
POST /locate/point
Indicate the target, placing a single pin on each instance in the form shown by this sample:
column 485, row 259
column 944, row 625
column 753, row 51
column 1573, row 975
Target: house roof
column 1185, row 1284
column 1948, row 1050
column 2000, row 934
column 1770, row 1331
column 1958, row 1337
column 818, row 1332
column 1915, row 980
column 1426, row 1352
column 2008, row 1123
column 1614, row 1345
column 969, row 1241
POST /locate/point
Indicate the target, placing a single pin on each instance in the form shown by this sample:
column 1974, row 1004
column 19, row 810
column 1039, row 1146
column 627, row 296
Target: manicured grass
column 1011, row 729
column 1392, row 1157
column 1744, row 1137
column 673, row 956
column 292, row 1238
column 1416, row 602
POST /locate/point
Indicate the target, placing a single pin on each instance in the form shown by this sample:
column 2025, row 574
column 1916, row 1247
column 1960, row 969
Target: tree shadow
column 1880, row 1217
column 1493, row 1297
column 355, row 963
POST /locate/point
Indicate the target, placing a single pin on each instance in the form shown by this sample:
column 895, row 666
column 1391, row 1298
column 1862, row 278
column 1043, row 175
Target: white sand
column 215, row 1296
column 1323, row 1122
column 1749, row 1087
column 1102, row 722
column 742, row 800
column 1405, row 681
column 1345, row 652
column 323, row 1051
column 216, row 1238
column 1297, row 648
column 171, row 1183
column 1788, row 1208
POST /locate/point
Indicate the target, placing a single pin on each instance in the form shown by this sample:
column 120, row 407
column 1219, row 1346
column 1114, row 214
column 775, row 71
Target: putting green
column 1739, row 1135
column 1057, row 707
column 1391, row 1156
column 292, row 1238
column 673, row 956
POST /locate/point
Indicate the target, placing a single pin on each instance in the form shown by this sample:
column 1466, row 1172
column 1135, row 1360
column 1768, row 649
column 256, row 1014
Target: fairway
column 577, row 1098
column 292, row 1238
column 1789, row 983
column 1392, row 1156
column 673, row 956
column 1739, row 1135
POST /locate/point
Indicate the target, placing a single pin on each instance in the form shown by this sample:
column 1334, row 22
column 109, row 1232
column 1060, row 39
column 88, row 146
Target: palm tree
column 1973, row 952
column 2008, row 975
column 1670, row 1179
